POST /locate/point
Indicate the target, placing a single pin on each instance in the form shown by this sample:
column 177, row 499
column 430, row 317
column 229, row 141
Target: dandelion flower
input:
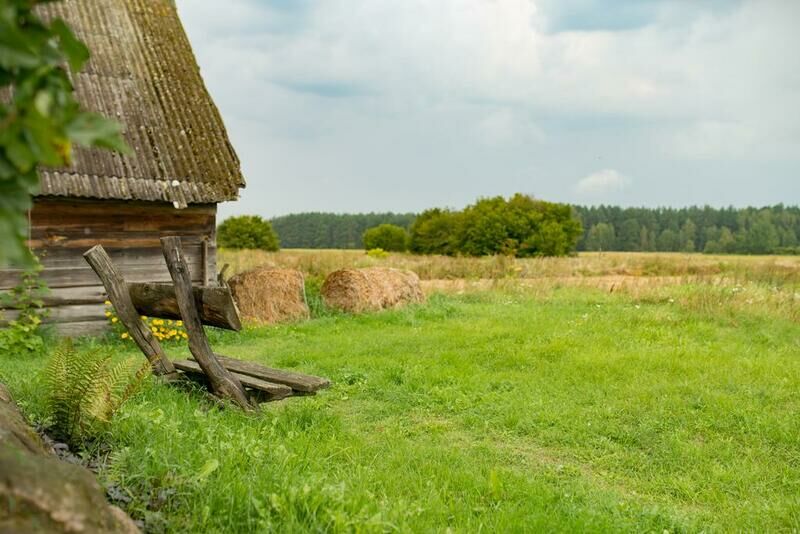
column 178, row 323
column 124, row 335
column 108, row 314
column 107, row 303
column 114, row 319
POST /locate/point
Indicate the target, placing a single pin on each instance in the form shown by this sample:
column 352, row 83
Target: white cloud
column 602, row 182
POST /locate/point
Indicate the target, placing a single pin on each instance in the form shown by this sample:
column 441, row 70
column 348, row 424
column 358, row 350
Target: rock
column 41, row 494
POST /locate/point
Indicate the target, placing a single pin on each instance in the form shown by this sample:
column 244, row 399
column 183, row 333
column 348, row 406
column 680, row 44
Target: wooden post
column 204, row 255
column 223, row 383
column 117, row 291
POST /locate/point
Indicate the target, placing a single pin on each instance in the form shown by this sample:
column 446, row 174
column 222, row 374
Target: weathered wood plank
column 123, row 257
column 81, row 328
column 85, row 277
column 215, row 304
column 62, row 314
column 223, row 382
column 297, row 381
column 275, row 390
column 118, row 295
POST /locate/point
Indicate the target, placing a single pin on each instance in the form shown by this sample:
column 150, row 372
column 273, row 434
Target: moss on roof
column 144, row 74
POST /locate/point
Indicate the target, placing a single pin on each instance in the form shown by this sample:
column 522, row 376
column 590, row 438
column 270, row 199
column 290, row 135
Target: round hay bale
column 268, row 296
column 371, row 289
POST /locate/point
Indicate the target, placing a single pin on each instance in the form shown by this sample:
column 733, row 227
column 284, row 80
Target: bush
column 434, row 231
column 520, row 226
column 248, row 232
column 22, row 335
column 388, row 237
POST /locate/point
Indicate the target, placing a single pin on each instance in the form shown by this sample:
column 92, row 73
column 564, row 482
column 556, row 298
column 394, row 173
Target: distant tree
column 388, row 237
column 762, row 237
column 601, row 237
column 332, row 230
column 247, row 232
column 434, row 232
column 687, row 236
column 669, row 241
column 629, row 237
column 520, row 226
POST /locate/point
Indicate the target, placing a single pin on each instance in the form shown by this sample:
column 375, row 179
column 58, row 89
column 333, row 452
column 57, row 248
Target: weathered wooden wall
column 63, row 229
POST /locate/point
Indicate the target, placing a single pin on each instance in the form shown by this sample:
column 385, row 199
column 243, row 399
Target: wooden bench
column 242, row 382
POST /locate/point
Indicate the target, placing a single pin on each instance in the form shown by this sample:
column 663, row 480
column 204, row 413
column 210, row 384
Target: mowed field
column 606, row 392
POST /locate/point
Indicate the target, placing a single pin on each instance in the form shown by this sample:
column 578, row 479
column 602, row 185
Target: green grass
column 575, row 410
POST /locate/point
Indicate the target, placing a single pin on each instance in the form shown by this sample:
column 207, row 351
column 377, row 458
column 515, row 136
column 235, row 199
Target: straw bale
column 269, row 296
column 371, row 289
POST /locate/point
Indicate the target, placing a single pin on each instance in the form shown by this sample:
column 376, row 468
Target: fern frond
column 84, row 391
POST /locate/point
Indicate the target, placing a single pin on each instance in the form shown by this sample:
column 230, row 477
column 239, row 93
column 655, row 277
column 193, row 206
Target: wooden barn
column 143, row 73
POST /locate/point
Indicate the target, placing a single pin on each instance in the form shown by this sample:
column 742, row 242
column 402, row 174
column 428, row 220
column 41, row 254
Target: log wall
column 62, row 230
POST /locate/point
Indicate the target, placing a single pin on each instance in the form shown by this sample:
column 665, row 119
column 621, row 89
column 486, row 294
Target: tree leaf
column 76, row 52
column 91, row 129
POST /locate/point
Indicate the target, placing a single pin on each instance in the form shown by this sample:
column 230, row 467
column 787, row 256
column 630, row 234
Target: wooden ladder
column 242, row 382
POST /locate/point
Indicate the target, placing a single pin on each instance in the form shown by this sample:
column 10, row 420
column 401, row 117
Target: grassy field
column 530, row 395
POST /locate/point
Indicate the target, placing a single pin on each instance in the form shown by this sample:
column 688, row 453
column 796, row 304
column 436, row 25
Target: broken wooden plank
column 297, row 381
column 215, row 304
column 275, row 391
column 118, row 294
column 223, row 382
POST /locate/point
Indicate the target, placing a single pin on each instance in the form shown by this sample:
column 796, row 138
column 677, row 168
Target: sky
column 378, row 105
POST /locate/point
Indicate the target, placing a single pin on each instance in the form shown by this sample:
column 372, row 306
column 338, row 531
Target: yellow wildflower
column 178, row 323
column 114, row 319
column 154, row 330
column 108, row 314
column 107, row 303
column 144, row 318
column 124, row 335
column 173, row 332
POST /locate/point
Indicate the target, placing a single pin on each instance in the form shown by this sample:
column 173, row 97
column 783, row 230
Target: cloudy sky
column 372, row 105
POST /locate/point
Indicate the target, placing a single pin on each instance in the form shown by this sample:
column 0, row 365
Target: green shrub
column 388, row 237
column 377, row 253
column 83, row 391
column 248, row 232
column 23, row 334
column 434, row 231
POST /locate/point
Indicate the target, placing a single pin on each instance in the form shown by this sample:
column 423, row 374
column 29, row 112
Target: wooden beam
column 215, row 304
column 118, row 294
column 223, row 382
column 297, row 381
column 275, row 391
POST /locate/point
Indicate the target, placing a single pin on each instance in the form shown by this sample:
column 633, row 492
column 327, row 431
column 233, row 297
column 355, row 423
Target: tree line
column 332, row 230
column 767, row 230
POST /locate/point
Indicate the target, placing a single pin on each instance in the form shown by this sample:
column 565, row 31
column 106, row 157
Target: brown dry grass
column 774, row 270
column 707, row 283
column 269, row 296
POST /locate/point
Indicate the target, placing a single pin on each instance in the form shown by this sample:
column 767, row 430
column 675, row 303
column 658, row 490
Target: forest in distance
column 767, row 230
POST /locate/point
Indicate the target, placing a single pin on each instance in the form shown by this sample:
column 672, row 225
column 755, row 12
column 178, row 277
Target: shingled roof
column 143, row 73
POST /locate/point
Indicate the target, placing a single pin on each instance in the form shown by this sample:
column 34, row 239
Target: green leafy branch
column 40, row 118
